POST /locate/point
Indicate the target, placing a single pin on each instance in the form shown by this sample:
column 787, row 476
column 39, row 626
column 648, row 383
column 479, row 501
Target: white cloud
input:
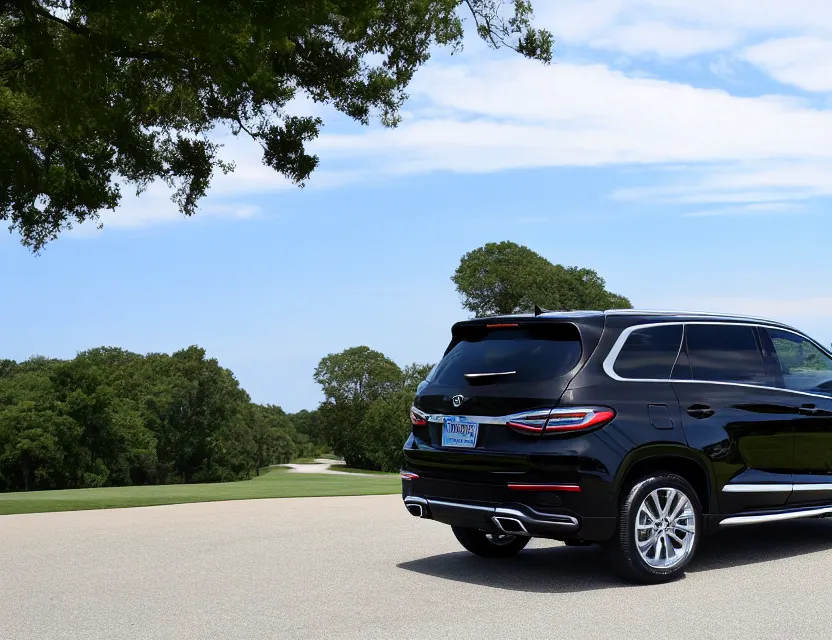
column 664, row 39
column 759, row 208
column 676, row 28
column 584, row 20
column 515, row 114
column 805, row 62
column 765, row 183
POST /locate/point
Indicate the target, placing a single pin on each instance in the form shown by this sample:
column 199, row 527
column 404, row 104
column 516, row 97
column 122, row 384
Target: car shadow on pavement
column 559, row 569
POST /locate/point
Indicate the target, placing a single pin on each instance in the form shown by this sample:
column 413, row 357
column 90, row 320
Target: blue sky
column 683, row 150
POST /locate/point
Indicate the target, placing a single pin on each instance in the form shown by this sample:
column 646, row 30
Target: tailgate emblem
column 458, row 400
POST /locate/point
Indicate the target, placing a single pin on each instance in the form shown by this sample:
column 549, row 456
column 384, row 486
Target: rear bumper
column 492, row 511
column 515, row 519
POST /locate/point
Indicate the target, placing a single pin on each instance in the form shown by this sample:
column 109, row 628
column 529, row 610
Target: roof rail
column 705, row 314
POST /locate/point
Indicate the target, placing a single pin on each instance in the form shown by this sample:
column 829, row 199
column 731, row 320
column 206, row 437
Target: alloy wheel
column 665, row 528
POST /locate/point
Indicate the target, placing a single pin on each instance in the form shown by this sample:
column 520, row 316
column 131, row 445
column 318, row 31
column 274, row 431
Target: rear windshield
column 533, row 353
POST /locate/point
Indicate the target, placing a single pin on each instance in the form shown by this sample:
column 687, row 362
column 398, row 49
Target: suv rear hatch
column 495, row 368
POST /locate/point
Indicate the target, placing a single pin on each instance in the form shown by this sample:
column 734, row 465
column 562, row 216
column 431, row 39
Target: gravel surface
column 362, row 568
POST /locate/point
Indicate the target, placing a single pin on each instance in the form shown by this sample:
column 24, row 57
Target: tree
column 358, row 374
column 413, row 374
column 352, row 380
column 365, row 413
column 387, row 425
column 310, row 425
column 97, row 92
column 33, row 445
column 504, row 278
column 273, row 433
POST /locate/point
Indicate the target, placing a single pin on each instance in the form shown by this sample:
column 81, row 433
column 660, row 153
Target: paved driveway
column 363, row 568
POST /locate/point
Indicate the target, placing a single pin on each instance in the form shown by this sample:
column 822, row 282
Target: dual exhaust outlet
column 508, row 521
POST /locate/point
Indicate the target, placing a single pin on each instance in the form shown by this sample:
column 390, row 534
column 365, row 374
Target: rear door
column 731, row 412
column 805, row 375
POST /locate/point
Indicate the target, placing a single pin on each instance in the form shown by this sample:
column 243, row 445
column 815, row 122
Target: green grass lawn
column 340, row 467
column 275, row 483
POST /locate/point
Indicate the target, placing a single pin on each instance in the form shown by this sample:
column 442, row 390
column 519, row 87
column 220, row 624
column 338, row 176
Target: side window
column 725, row 353
column 804, row 366
column 649, row 354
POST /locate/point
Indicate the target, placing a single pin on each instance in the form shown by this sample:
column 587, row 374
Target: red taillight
column 417, row 418
column 553, row 421
column 406, row 475
column 565, row 420
column 531, row 422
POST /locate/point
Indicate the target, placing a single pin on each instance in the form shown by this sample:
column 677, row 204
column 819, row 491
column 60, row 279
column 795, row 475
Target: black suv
column 639, row 430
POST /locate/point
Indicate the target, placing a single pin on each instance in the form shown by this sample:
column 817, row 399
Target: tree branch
column 123, row 50
column 497, row 40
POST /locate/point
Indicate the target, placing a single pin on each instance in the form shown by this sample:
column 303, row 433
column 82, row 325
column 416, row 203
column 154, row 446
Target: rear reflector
column 544, row 487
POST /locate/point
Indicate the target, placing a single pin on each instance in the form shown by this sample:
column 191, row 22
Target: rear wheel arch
column 676, row 462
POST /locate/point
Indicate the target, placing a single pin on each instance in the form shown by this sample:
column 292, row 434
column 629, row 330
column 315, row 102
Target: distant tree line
column 110, row 417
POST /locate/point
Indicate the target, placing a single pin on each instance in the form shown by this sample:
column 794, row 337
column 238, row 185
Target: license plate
column 457, row 432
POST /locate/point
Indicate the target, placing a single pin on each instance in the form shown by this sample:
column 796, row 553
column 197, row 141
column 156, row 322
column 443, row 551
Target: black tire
column 623, row 549
column 488, row 545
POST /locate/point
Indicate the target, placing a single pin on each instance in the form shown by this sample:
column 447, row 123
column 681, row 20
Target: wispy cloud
column 805, row 61
column 761, row 208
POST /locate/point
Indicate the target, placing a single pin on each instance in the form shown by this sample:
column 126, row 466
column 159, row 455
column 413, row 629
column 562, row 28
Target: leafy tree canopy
column 358, row 374
column 365, row 413
column 505, row 277
column 94, row 93
column 110, row 417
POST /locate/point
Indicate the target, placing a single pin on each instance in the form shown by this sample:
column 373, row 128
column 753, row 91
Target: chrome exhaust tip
column 510, row 526
column 417, row 507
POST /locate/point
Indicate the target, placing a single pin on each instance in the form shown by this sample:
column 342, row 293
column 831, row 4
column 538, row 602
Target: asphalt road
column 333, row 568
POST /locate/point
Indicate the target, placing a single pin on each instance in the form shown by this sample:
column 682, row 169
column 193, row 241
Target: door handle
column 700, row 411
column 808, row 410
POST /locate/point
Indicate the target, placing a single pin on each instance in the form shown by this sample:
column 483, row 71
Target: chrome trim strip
column 758, row 488
column 460, row 505
column 439, row 418
column 775, row 517
column 558, row 520
column 817, row 486
column 488, row 375
column 609, row 361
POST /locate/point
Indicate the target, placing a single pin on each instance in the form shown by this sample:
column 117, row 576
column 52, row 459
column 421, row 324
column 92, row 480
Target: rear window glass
column 649, row 353
column 534, row 354
column 725, row 353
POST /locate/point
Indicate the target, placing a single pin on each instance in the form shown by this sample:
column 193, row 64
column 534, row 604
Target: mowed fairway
column 276, row 483
column 361, row 568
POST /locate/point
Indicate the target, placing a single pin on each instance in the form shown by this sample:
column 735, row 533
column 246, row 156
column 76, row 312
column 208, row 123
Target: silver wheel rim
column 665, row 528
column 499, row 539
